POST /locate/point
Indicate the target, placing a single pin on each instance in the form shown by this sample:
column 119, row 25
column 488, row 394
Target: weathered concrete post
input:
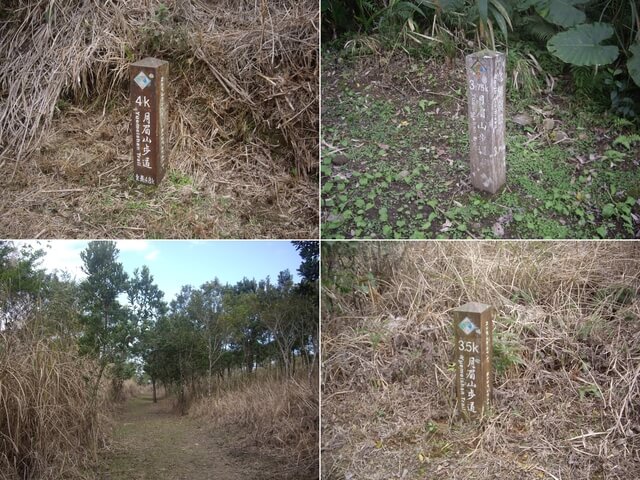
column 485, row 87
column 473, row 324
column 148, row 92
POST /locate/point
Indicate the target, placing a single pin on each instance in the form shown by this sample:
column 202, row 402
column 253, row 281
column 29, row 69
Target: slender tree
column 21, row 283
column 107, row 333
column 147, row 306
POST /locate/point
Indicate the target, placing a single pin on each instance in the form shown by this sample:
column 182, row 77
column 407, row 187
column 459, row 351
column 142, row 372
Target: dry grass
column 244, row 119
column 566, row 356
column 280, row 416
column 121, row 391
column 50, row 425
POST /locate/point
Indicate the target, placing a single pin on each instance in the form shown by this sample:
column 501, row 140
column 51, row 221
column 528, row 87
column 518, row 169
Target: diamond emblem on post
column 478, row 67
column 467, row 326
column 142, row 80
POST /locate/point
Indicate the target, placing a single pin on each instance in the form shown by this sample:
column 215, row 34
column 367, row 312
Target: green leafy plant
column 507, row 351
column 375, row 338
column 582, row 45
column 626, row 140
column 526, row 72
column 430, row 426
column 162, row 13
column 633, row 64
column 590, row 390
column 620, row 210
column 561, row 12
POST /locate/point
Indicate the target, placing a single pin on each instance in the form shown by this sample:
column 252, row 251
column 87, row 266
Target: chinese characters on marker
column 143, row 136
column 468, row 376
column 471, row 384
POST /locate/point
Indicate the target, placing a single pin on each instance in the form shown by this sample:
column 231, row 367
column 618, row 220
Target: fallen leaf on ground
column 498, row 230
column 446, row 226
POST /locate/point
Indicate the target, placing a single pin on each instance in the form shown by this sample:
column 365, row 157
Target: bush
column 281, row 415
column 50, row 426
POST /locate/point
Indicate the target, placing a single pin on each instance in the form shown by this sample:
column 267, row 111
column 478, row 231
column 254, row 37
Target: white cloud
column 62, row 255
column 152, row 255
column 133, row 245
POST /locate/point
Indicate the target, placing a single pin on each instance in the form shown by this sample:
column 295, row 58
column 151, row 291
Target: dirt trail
column 152, row 442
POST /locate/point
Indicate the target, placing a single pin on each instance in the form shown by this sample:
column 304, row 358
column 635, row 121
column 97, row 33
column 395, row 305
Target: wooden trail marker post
column 485, row 98
column 148, row 93
column 473, row 324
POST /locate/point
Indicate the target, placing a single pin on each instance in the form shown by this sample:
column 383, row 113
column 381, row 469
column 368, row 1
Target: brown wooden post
column 473, row 325
column 485, row 97
column 148, row 93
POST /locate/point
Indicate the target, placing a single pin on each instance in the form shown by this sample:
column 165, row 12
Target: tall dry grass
column 567, row 361
column 280, row 415
column 243, row 117
column 51, row 426
column 263, row 56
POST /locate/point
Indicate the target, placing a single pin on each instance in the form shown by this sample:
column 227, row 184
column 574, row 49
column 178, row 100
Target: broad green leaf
column 448, row 5
column 524, row 5
column 483, row 10
column 633, row 64
column 608, row 210
column 498, row 17
column 410, row 6
column 502, row 10
column 562, row 12
column 581, row 45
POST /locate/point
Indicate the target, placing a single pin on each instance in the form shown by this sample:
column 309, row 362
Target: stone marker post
column 473, row 324
column 148, row 92
column 485, row 97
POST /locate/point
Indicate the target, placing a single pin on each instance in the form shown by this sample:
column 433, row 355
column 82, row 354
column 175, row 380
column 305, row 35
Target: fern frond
column 537, row 27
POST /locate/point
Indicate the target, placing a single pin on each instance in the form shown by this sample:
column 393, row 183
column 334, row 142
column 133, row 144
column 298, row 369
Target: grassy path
column 152, row 442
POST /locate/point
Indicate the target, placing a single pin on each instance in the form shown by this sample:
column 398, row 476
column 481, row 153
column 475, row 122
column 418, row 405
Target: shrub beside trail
column 51, row 425
column 280, row 416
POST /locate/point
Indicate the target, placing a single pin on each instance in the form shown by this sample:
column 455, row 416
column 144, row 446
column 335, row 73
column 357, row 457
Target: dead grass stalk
column 50, row 426
column 566, row 359
column 280, row 415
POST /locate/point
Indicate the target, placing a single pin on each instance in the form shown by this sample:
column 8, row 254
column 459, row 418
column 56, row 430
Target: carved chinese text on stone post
column 485, row 87
column 149, row 119
column 473, row 324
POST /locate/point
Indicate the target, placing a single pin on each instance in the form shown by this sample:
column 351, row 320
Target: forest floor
column 395, row 158
column 152, row 441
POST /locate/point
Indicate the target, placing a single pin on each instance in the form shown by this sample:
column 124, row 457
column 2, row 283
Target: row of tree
column 205, row 332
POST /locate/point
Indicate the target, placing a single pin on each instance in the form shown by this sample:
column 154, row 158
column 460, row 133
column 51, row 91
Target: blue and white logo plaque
column 467, row 326
column 142, row 80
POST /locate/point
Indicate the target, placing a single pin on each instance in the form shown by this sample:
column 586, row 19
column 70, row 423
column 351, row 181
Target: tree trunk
column 183, row 400
column 97, row 385
column 210, row 368
column 153, row 382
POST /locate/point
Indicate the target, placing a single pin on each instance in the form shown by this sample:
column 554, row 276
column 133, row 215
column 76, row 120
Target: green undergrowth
column 395, row 162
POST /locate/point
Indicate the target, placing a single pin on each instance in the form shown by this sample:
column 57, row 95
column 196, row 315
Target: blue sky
column 174, row 263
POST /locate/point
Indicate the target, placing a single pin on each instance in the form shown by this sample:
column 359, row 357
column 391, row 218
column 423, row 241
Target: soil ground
column 395, row 158
column 151, row 441
column 79, row 184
